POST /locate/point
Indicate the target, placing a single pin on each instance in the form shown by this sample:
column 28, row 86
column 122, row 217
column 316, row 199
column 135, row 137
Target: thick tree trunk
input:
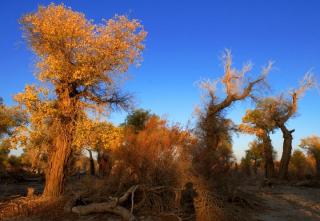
column 286, row 152
column 57, row 167
column 64, row 133
column 268, row 158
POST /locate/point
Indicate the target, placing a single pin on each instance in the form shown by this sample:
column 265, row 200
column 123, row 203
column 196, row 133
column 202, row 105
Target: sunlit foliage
column 257, row 122
column 151, row 155
column 97, row 135
column 11, row 119
column 81, row 63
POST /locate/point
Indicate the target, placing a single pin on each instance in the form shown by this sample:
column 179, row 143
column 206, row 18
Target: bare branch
column 234, row 80
column 306, row 83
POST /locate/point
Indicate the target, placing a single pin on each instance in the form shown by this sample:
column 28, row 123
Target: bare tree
column 282, row 112
column 213, row 128
column 278, row 111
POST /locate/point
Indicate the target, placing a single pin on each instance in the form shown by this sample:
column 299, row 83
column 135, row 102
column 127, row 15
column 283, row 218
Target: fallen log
column 109, row 207
column 113, row 206
column 118, row 205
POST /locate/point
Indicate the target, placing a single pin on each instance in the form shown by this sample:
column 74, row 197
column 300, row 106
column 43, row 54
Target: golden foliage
column 72, row 48
column 97, row 135
column 79, row 63
column 258, row 121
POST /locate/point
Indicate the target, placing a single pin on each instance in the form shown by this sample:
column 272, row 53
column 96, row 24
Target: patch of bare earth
column 289, row 203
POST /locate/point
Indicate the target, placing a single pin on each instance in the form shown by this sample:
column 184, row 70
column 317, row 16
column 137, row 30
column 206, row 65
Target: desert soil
column 279, row 203
column 289, row 203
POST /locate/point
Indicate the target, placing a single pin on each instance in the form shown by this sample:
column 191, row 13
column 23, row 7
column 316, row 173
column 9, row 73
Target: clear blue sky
column 184, row 43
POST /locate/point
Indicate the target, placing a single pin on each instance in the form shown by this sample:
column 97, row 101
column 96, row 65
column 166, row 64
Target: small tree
column 137, row 119
column 312, row 145
column 257, row 122
column 10, row 119
column 100, row 137
column 245, row 165
column 298, row 164
column 81, row 62
column 255, row 154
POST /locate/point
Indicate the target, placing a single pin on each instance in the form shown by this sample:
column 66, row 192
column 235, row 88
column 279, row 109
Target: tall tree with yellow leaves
column 81, row 62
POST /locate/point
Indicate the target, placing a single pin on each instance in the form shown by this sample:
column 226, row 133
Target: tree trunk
column 318, row 168
column 57, row 167
column 92, row 170
column 286, row 152
column 63, row 138
column 269, row 166
column 104, row 162
column 255, row 167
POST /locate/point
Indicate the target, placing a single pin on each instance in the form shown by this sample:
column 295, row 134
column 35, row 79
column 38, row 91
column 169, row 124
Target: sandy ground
column 279, row 203
column 289, row 203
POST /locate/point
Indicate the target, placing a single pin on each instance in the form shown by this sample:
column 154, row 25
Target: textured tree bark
column 57, row 167
column 64, row 133
column 269, row 166
column 286, row 152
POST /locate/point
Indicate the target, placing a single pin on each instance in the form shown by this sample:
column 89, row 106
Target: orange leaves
column 155, row 139
column 152, row 153
column 36, row 103
column 72, row 48
column 80, row 61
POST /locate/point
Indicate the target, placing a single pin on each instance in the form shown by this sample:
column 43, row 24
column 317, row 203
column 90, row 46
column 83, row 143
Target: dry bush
column 150, row 156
